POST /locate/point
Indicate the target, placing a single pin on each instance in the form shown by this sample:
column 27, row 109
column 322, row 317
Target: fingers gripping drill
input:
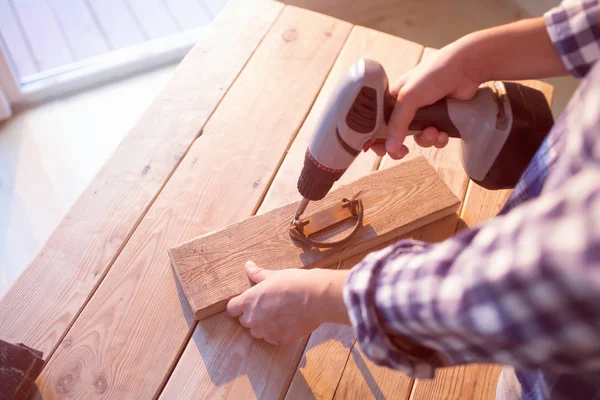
column 500, row 129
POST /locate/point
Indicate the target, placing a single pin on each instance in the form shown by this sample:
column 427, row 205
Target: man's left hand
column 288, row 304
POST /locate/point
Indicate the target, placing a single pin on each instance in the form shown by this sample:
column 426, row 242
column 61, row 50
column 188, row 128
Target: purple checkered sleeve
column 574, row 28
column 522, row 289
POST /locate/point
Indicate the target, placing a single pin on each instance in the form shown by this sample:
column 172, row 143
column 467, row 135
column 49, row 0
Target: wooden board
column 48, row 296
column 465, row 382
column 123, row 345
column 396, row 201
column 363, row 379
column 266, row 371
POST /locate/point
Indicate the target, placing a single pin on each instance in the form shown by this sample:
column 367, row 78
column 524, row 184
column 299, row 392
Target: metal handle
column 355, row 207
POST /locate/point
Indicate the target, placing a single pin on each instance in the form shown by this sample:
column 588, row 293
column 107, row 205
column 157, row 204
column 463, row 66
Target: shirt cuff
column 574, row 29
column 400, row 353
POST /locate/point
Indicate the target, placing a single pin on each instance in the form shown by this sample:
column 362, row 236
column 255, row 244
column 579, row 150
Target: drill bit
column 300, row 209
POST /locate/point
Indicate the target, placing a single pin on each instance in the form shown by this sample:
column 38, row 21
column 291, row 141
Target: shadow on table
column 229, row 352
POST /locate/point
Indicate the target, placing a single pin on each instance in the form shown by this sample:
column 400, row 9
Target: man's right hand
column 440, row 75
column 520, row 50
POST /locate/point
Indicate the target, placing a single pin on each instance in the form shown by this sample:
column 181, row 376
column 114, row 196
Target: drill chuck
column 316, row 180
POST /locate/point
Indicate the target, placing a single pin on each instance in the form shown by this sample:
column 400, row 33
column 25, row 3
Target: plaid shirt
column 522, row 289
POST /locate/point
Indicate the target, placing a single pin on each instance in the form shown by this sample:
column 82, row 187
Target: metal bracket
column 300, row 230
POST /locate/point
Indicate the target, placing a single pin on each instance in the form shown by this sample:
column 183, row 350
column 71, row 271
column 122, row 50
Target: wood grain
column 44, row 301
column 471, row 382
column 269, row 372
column 322, row 364
column 362, row 379
column 396, row 201
column 127, row 339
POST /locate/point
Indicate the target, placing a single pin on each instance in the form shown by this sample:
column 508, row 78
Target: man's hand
column 520, row 50
column 286, row 305
column 440, row 75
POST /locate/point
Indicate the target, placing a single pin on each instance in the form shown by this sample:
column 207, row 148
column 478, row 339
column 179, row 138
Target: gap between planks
column 259, row 203
column 315, row 73
column 257, row 207
column 195, row 324
column 145, row 211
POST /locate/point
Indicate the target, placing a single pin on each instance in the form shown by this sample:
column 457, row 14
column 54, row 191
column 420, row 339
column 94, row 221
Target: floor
column 48, row 154
column 40, row 35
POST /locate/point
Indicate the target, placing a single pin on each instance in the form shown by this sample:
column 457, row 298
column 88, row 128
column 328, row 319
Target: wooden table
column 223, row 141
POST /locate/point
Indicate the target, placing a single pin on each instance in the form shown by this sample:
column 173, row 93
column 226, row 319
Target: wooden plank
column 188, row 13
column 14, row 43
column 130, row 334
column 325, row 356
column 362, row 379
column 474, row 381
column 465, row 382
column 323, row 361
column 396, row 201
column 79, row 27
column 117, row 23
column 44, row 35
column 154, row 17
column 265, row 371
column 48, row 296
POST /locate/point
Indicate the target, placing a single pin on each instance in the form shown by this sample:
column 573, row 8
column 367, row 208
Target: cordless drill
column 500, row 128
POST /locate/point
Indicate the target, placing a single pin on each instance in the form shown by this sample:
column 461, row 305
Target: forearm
column 520, row 50
column 565, row 40
column 520, row 289
column 329, row 301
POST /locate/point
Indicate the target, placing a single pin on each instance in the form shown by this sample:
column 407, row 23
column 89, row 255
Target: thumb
column 255, row 273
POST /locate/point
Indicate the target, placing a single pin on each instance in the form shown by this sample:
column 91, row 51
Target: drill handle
column 435, row 115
